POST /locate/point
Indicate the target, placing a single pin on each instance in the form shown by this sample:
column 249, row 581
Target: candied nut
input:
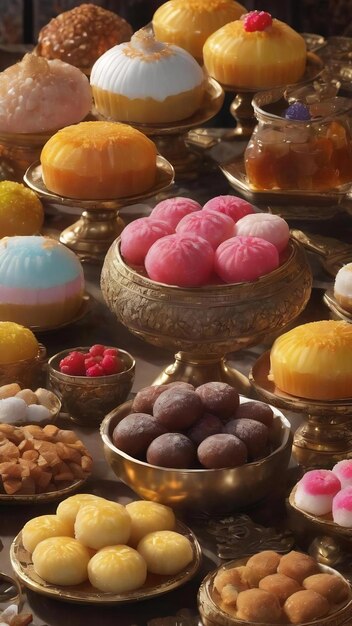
column 28, row 396
column 77, row 471
column 7, row 429
column 8, row 451
column 86, row 463
column 41, row 478
column 67, row 436
column 14, row 471
column 50, row 430
column 8, row 391
column 32, row 431
column 43, row 463
column 5, row 466
column 22, row 619
column 67, row 453
column 12, row 485
column 30, row 455
column 26, row 445
column 27, row 486
column 46, row 398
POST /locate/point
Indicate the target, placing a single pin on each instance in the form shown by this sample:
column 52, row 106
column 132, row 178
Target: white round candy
column 37, row 413
column 13, row 410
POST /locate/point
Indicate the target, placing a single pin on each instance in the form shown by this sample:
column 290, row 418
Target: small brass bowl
column 28, row 373
column 214, row 490
column 86, row 399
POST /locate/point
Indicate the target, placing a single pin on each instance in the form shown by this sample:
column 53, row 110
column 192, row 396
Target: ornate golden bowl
column 200, row 489
column 18, row 151
column 85, row 399
column 28, row 373
column 202, row 324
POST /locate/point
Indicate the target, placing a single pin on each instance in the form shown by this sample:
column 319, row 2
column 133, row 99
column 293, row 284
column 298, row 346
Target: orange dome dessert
column 314, row 361
column 98, row 160
column 80, row 36
column 255, row 52
column 188, row 23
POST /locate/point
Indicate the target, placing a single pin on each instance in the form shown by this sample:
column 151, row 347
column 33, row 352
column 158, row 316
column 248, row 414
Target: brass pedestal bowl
column 203, row 324
column 18, row 151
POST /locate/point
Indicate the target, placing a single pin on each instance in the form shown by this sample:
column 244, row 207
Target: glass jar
column 313, row 155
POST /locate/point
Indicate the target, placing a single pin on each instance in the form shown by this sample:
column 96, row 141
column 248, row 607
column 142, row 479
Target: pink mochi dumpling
column 229, row 205
column 242, row 259
column 316, row 490
column 138, row 236
column 343, row 471
column 181, row 260
column 213, row 227
column 272, row 228
column 342, row 508
column 173, row 210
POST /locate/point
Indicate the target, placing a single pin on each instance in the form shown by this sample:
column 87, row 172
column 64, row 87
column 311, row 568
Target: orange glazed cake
column 255, row 51
column 314, row 361
column 188, row 23
column 98, row 160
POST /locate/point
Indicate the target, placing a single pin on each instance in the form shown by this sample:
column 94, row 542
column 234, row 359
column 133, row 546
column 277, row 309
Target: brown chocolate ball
column 219, row 399
column 145, row 398
column 135, row 432
column 252, row 433
column 204, row 427
column 177, row 408
column 222, row 450
column 172, row 450
column 179, row 383
column 258, row 411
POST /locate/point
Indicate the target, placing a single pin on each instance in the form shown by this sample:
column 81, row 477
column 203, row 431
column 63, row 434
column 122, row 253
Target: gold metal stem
column 241, row 109
column 91, row 236
column 185, row 162
column 322, row 441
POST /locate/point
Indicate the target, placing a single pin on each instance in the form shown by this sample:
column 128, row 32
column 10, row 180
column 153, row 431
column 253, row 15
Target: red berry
column 89, row 362
column 97, row 350
column 74, row 361
column 256, row 20
column 110, row 364
column 95, row 370
column 112, row 351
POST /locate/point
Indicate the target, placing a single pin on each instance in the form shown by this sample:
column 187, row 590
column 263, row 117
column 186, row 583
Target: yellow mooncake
column 61, row 561
column 68, row 509
column 117, row 569
column 43, row 527
column 101, row 524
column 165, row 552
column 147, row 517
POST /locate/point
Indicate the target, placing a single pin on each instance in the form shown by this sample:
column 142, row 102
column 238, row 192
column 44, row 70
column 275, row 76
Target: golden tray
column 85, row 593
column 41, row 498
column 83, row 310
column 324, row 523
column 213, row 615
column 338, row 312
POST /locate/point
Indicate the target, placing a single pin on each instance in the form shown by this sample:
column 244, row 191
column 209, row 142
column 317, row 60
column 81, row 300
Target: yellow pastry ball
column 117, row 569
column 21, row 212
column 146, row 517
column 16, row 343
column 102, row 524
column 68, row 509
column 165, row 552
column 61, row 561
column 43, row 527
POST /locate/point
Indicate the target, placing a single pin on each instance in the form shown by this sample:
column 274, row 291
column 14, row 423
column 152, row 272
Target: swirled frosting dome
column 37, row 95
column 147, row 81
column 41, row 281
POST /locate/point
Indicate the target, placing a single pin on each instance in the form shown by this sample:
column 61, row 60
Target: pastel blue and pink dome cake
column 41, row 282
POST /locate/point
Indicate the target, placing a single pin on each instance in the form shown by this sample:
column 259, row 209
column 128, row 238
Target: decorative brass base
column 326, row 436
column 198, row 370
column 91, row 236
column 186, row 163
column 241, row 109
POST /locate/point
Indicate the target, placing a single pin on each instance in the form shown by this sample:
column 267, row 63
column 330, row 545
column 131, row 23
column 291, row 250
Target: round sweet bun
column 281, row 586
column 43, row 527
column 98, row 160
column 305, row 606
column 260, row 565
column 343, row 287
column 68, row 509
column 297, row 565
column 117, row 569
column 188, row 23
column 147, row 517
column 82, row 35
column 165, row 552
column 170, row 85
column 61, row 561
column 257, row 605
column 102, row 524
column 258, row 59
column 332, row 587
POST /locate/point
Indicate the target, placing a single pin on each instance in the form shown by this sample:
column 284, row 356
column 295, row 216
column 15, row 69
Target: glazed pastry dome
column 37, row 95
column 147, row 81
column 188, row 23
column 80, row 36
column 275, row 55
column 41, row 281
column 97, row 160
column 314, row 361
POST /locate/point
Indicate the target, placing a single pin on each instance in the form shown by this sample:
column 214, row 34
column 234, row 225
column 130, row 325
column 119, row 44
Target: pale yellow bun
column 165, row 552
column 147, row 517
column 188, row 23
column 314, row 361
column 101, row 524
column 61, row 561
column 260, row 59
column 68, row 509
column 117, row 569
column 43, row 527
column 98, row 160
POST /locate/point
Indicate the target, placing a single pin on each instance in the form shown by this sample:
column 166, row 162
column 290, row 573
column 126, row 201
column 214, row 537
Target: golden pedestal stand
column 18, row 151
column 100, row 223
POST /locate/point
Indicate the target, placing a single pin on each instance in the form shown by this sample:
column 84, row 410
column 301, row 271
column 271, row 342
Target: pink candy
column 242, row 259
column 173, row 210
column 138, row 236
column 182, row 260
column 212, row 226
column 229, row 205
column 266, row 226
column 316, row 490
column 342, row 508
column 343, row 471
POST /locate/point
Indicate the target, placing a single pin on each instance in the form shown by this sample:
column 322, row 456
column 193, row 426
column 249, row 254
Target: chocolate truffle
column 219, row 399
column 252, row 433
column 172, row 450
column 258, row 411
column 177, row 408
column 222, row 450
column 135, row 432
column 204, row 427
column 145, row 398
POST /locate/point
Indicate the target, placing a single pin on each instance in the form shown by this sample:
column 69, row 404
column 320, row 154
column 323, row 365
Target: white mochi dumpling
column 68, row 509
column 101, row 524
column 43, row 527
column 146, row 517
column 165, row 552
column 61, row 561
column 117, row 569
